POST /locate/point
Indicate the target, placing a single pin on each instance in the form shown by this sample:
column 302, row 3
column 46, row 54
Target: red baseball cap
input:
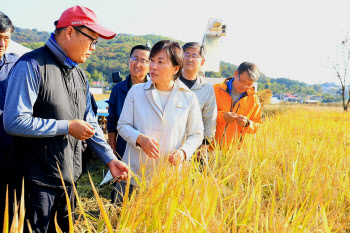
column 78, row 16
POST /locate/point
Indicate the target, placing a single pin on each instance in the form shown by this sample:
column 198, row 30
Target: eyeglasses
column 194, row 56
column 244, row 84
column 93, row 42
column 142, row 61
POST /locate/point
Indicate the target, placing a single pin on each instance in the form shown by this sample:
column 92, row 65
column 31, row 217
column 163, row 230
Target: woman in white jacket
column 160, row 117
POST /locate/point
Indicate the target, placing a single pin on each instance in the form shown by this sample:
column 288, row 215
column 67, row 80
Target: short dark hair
column 195, row 45
column 142, row 47
column 174, row 52
column 58, row 30
column 5, row 23
column 251, row 68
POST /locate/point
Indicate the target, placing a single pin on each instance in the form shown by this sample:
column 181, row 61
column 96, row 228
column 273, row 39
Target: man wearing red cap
column 48, row 111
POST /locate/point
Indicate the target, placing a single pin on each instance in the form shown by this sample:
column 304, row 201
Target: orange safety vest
column 248, row 105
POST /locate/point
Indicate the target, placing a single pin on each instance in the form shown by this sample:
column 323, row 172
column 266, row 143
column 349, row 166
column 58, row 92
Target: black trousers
column 42, row 203
column 118, row 192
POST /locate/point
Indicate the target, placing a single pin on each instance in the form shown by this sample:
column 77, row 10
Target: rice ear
column 21, row 210
column 102, row 209
column 70, row 220
column 5, row 228
column 79, row 203
column 58, row 229
column 14, row 225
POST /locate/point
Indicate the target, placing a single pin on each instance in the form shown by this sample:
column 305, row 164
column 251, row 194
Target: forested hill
column 112, row 55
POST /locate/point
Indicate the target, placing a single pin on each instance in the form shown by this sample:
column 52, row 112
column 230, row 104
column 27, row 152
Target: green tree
column 328, row 98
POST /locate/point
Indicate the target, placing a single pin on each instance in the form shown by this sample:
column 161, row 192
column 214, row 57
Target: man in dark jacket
column 48, row 110
column 138, row 67
column 6, row 63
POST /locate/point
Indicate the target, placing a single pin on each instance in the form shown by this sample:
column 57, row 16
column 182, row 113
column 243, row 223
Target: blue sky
column 291, row 39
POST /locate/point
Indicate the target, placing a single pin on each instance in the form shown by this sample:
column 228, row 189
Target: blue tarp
column 102, row 107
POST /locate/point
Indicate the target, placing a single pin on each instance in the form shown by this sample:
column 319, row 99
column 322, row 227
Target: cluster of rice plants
column 18, row 222
column 292, row 176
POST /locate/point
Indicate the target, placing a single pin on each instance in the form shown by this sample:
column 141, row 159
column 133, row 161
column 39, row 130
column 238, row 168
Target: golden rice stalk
column 126, row 198
column 17, row 225
column 101, row 207
column 70, row 220
column 21, row 210
column 14, row 225
column 5, row 228
column 264, row 97
column 58, row 229
column 79, row 204
column 29, row 226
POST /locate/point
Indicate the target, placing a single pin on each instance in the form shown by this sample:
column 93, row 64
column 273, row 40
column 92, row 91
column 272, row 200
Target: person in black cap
column 48, row 110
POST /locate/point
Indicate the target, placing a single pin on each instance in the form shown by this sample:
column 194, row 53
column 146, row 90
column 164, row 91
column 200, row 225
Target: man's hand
column 118, row 169
column 230, row 117
column 177, row 157
column 80, row 129
column 148, row 145
column 242, row 120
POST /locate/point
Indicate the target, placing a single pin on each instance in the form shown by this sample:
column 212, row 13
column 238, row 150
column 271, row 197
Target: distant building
column 290, row 97
column 97, row 84
column 312, row 101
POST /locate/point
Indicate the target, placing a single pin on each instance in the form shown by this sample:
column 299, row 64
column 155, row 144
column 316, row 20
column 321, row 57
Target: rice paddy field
column 292, row 176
